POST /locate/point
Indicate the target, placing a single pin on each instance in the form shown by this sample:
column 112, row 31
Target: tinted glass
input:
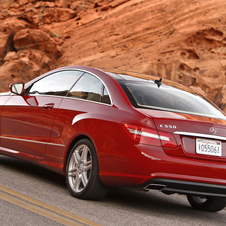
column 106, row 97
column 88, row 87
column 169, row 98
column 58, row 83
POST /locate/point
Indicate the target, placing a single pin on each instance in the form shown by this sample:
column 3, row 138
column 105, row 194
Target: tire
column 206, row 204
column 82, row 172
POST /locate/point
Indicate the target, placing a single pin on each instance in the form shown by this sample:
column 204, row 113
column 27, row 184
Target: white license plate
column 208, row 147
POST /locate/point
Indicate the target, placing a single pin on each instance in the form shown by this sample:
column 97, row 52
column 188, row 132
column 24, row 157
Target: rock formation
column 181, row 40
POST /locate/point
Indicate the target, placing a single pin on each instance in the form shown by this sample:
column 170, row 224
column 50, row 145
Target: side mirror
column 17, row 88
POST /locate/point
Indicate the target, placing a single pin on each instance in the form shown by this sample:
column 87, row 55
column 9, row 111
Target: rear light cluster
column 150, row 136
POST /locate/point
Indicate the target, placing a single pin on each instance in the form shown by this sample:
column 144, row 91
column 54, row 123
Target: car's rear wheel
column 206, row 204
column 82, row 172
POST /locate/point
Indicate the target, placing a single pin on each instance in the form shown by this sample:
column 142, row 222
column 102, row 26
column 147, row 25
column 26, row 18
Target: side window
column 58, row 83
column 88, row 87
column 106, row 97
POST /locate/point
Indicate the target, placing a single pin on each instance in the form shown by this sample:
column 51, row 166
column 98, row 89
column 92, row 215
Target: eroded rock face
column 65, row 14
column 35, row 39
column 24, row 65
column 8, row 29
column 181, row 40
column 18, row 70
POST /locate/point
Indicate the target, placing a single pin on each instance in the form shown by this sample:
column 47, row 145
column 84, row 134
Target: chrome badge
column 213, row 130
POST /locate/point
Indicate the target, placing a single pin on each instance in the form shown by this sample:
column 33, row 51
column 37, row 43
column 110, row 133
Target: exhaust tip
column 158, row 187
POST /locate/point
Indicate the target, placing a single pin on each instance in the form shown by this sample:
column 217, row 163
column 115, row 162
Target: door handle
column 48, row 106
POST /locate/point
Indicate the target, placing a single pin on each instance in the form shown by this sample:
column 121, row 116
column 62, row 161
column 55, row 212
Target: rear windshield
column 169, row 98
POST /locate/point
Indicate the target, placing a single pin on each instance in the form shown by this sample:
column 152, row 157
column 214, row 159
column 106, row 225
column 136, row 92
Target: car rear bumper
column 170, row 186
column 141, row 165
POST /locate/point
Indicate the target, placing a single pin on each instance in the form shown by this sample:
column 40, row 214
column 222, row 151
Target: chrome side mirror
column 17, row 88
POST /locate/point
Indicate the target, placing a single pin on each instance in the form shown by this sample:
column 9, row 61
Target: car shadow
column 32, row 170
column 156, row 203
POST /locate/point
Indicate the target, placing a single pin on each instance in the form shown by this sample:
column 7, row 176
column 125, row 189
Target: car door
column 26, row 121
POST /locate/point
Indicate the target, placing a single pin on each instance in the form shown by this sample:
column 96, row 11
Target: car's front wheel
column 82, row 172
column 206, row 203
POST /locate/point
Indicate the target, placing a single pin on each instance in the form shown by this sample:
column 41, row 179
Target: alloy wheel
column 80, row 168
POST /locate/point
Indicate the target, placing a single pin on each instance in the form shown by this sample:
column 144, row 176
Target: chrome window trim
column 82, row 70
column 200, row 135
column 95, row 102
column 32, row 141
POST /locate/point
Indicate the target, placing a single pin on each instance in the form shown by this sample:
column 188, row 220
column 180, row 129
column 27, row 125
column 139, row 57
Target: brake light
column 150, row 136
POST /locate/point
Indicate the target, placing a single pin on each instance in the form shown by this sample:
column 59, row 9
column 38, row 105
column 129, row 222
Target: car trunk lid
column 193, row 136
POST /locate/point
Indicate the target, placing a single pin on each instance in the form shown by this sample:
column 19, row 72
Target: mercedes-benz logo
column 213, row 130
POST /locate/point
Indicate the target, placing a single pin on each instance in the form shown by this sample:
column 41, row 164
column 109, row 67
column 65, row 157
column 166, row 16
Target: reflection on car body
column 113, row 128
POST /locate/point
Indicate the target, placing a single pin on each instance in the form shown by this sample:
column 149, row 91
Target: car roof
column 119, row 74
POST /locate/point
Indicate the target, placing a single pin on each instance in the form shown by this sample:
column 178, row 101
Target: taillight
column 169, row 142
column 149, row 136
column 142, row 135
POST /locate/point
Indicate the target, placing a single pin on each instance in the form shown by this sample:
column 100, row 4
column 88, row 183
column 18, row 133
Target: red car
column 111, row 128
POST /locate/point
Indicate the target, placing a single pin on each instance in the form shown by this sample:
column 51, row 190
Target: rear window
column 169, row 98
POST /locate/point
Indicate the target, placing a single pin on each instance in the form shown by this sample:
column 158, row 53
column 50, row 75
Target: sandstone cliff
column 181, row 40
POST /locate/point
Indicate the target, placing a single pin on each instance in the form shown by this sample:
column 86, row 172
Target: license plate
column 208, row 147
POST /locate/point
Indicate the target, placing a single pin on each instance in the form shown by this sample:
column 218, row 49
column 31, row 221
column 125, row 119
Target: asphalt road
column 30, row 195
